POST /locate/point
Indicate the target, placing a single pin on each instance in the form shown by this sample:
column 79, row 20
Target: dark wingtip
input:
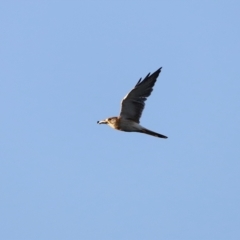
column 159, row 70
column 97, row 121
column 156, row 74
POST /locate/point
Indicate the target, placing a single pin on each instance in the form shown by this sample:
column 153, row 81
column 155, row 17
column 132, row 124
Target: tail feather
column 146, row 131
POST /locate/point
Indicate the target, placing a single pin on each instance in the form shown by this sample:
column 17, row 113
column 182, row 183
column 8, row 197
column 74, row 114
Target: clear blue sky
column 67, row 64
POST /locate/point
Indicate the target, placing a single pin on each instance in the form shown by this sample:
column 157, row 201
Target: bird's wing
column 133, row 103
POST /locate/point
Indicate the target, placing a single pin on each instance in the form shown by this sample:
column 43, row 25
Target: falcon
column 132, row 107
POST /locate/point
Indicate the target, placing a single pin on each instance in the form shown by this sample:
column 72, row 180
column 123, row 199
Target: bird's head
column 109, row 121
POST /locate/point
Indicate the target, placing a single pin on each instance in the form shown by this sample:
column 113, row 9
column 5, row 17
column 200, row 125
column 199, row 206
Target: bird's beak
column 102, row 122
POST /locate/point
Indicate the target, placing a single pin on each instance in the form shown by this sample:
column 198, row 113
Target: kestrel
column 132, row 106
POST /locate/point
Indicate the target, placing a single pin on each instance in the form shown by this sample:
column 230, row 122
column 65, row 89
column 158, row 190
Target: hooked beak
column 102, row 122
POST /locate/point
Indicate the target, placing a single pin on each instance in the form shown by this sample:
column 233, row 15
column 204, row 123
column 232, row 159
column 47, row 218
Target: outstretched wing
column 133, row 103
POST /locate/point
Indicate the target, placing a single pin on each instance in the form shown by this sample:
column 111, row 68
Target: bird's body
column 132, row 106
column 123, row 124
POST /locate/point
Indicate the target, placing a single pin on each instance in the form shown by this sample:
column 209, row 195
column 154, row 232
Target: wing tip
column 157, row 72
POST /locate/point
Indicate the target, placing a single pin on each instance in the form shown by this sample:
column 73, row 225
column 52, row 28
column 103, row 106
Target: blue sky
column 67, row 64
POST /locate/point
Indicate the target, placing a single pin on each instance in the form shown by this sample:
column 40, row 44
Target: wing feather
column 133, row 103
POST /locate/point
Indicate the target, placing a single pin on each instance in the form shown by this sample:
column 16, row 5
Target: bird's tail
column 146, row 131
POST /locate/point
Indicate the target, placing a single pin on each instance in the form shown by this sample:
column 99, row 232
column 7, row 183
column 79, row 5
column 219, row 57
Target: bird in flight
column 132, row 106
